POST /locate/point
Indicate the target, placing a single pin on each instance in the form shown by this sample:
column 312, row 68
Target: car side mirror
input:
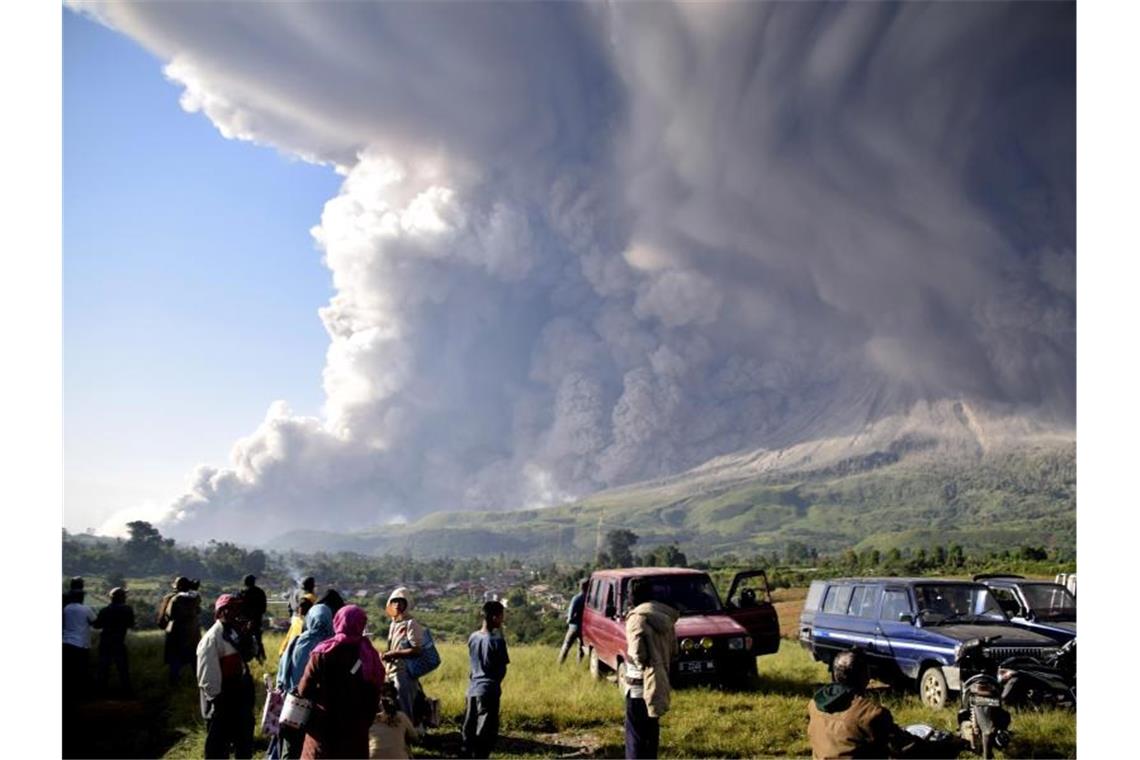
column 906, row 617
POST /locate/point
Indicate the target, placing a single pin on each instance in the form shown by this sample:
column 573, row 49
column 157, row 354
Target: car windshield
column 1050, row 601
column 688, row 594
column 957, row 603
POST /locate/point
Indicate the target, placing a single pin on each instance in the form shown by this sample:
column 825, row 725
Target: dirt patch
column 789, row 614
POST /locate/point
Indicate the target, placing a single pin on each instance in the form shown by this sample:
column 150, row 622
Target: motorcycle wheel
column 932, row 688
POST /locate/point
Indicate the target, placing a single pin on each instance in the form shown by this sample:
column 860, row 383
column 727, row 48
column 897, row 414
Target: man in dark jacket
column 254, row 605
column 843, row 722
column 574, row 623
column 114, row 621
column 178, row 616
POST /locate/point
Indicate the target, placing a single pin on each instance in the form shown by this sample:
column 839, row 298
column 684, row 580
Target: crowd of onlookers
column 356, row 701
column 359, row 702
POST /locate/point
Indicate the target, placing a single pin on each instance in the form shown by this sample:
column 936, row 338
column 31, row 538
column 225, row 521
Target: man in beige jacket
column 652, row 645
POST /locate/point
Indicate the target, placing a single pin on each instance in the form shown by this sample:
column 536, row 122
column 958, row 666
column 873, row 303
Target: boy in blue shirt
column 488, row 651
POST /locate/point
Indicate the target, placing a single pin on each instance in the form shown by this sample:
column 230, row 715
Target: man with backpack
column 411, row 652
column 178, row 616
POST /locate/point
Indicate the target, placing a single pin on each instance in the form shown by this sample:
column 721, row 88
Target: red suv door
column 749, row 602
column 603, row 630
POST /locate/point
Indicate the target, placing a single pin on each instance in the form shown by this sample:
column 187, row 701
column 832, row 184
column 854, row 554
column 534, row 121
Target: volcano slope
column 942, row 473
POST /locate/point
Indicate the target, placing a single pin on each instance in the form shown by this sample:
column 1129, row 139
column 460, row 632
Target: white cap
column 401, row 593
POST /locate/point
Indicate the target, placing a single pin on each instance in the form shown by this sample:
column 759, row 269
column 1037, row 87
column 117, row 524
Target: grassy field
column 548, row 711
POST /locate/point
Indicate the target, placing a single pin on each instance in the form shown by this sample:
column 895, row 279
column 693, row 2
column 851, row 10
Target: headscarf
column 349, row 625
column 318, row 627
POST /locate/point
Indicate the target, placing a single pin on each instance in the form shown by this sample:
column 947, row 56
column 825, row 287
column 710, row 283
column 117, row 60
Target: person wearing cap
column 113, row 622
column 178, row 616
column 224, row 682
column 405, row 635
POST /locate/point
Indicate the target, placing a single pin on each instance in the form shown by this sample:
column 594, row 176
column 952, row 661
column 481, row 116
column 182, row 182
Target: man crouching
column 844, row 722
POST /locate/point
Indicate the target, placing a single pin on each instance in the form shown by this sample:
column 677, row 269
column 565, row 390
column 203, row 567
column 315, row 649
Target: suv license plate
column 697, row 666
column 987, row 701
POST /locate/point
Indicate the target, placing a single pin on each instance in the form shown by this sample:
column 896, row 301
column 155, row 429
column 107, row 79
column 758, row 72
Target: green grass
column 549, row 710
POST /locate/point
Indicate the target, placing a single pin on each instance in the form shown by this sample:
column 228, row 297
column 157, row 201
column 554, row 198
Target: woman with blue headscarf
column 318, row 628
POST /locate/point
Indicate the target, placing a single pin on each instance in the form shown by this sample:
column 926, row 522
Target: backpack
column 428, row 659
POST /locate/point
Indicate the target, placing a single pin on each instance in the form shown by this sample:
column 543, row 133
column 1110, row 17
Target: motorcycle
column 983, row 722
column 1039, row 683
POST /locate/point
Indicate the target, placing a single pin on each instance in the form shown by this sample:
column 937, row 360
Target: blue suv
column 912, row 629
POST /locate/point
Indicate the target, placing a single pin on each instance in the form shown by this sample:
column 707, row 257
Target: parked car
column 913, row 629
column 717, row 642
column 1041, row 606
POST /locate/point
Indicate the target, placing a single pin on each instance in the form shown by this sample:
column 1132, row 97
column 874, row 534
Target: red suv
column 718, row 642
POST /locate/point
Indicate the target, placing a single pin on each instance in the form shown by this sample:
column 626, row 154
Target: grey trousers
column 480, row 726
column 407, row 688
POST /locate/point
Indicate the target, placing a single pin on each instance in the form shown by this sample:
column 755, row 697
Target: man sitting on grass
column 844, row 722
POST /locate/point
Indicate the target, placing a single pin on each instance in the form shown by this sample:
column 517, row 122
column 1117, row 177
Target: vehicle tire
column 932, row 688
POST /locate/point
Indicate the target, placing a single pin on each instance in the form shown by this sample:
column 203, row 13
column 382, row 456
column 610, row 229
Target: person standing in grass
column 405, row 638
column 225, row 683
column 489, row 660
column 77, row 620
column 343, row 680
column 652, row 646
column 318, row 628
column 254, row 602
column 392, row 730
column 574, row 623
column 114, row 621
column 178, row 615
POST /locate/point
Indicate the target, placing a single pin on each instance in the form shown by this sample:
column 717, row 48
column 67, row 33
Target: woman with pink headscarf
column 343, row 680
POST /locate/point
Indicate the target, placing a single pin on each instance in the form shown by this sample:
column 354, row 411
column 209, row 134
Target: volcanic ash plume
column 579, row 245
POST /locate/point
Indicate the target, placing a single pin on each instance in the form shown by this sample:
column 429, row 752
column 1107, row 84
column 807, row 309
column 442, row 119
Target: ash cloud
column 580, row 245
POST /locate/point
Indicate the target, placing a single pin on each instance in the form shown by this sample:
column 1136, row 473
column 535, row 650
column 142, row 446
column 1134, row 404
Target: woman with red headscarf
column 343, row 680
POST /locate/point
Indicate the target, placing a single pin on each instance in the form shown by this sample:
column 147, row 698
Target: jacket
column 220, row 667
column 846, row 724
column 652, row 646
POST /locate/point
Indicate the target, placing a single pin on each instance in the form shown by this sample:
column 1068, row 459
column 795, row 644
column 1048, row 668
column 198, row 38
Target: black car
column 1041, row 606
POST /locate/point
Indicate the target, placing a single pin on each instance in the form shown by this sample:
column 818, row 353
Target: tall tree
column 619, row 547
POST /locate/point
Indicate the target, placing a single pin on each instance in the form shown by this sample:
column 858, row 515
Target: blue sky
column 191, row 282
